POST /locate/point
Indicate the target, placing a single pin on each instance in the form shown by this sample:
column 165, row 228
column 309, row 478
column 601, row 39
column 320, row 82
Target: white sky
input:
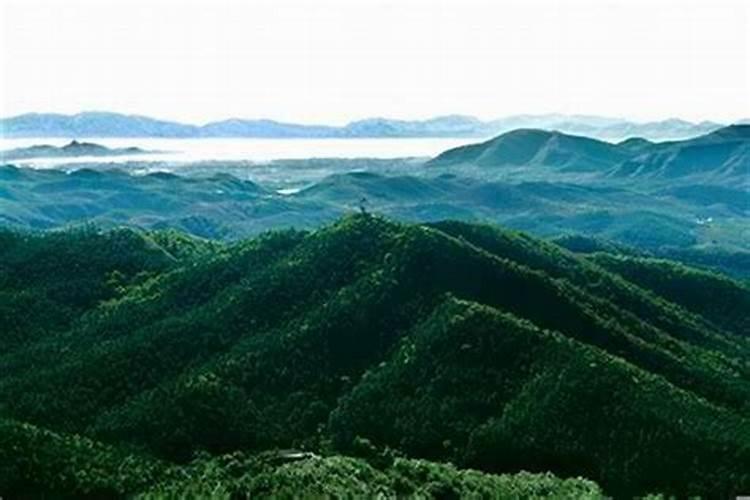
column 332, row 61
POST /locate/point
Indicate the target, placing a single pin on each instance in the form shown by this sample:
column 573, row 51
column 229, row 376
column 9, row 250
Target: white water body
column 176, row 151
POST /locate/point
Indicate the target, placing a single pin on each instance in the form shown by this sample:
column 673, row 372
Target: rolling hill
column 724, row 153
column 219, row 206
column 451, row 342
column 686, row 200
column 223, row 206
column 529, row 147
column 668, row 219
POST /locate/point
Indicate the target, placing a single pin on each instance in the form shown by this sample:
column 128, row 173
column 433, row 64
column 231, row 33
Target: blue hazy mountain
column 71, row 150
column 92, row 124
column 443, row 126
column 264, row 128
column 106, row 124
column 610, row 128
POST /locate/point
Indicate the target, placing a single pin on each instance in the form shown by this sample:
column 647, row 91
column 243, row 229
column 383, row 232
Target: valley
column 685, row 199
column 394, row 327
column 453, row 250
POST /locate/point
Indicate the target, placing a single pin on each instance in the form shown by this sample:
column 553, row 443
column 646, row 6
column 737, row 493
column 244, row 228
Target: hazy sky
column 336, row 60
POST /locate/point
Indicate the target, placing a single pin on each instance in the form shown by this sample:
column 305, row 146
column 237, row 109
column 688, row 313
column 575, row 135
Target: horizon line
column 202, row 123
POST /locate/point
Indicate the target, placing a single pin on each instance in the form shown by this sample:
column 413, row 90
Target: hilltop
column 531, row 147
column 451, row 342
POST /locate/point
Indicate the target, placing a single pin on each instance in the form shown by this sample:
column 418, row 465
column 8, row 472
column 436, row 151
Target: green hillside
column 684, row 200
column 713, row 158
column 159, row 364
column 65, row 466
column 719, row 299
column 724, row 153
column 536, row 147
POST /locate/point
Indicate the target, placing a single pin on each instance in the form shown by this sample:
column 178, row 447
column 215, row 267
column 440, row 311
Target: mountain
column 443, row 126
column 525, row 147
column 101, row 124
column 690, row 218
column 225, row 207
column 92, row 124
column 613, row 129
column 691, row 288
column 105, row 124
column 264, row 128
column 140, row 362
column 218, row 206
column 664, row 129
column 721, row 154
column 685, row 200
column 72, row 149
column 547, row 208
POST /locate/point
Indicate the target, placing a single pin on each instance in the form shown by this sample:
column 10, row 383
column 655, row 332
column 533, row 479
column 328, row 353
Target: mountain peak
column 528, row 146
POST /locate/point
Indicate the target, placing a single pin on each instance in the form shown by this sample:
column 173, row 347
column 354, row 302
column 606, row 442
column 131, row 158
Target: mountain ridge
column 534, row 147
column 449, row 342
column 110, row 124
column 724, row 152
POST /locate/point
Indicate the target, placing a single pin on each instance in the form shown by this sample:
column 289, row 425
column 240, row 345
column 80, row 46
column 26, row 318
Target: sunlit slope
column 452, row 342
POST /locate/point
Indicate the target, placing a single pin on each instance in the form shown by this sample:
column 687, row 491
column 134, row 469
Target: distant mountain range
column 73, row 149
column 106, row 124
column 723, row 153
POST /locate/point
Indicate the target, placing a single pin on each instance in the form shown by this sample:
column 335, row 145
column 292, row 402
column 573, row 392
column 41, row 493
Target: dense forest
column 366, row 357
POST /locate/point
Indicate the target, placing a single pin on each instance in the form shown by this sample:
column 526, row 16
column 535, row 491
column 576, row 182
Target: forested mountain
column 129, row 352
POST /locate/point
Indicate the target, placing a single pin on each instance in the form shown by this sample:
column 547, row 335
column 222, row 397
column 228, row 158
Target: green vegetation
column 235, row 475
column 682, row 200
column 537, row 148
column 717, row 298
column 721, row 154
column 65, row 466
column 379, row 353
